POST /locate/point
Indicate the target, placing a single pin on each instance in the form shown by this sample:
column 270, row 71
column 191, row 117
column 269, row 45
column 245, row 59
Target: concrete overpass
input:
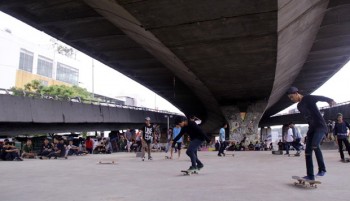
column 28, row 115
column 220, row 60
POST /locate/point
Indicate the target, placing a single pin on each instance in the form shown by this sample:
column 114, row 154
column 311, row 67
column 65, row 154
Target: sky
column 109, row 82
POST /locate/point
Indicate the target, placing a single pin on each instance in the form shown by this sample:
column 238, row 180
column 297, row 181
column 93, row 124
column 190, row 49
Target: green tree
column 54, row 90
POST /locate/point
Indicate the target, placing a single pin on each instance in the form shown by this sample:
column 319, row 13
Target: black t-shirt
column 48, row 147
column 147, row 132
column 308, row 108
column 60, row 146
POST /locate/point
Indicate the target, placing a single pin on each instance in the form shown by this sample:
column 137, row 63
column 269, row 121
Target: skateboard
column 305, row 182
column 294, row 155
column 167, row 157
column 189, row 172
column 106, row 162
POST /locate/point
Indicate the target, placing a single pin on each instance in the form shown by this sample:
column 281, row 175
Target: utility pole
column 93, row 79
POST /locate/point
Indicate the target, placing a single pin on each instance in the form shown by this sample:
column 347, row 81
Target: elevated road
column 27, row 115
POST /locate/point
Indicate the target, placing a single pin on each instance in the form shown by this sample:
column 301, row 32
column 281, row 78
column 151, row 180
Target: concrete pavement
column 246, row 176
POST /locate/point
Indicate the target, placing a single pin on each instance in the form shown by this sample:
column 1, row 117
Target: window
column 26, row 60
column 67, row 74
column 45, row 66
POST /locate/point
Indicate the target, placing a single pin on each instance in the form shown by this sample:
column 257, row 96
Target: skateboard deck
column 189, row 172
column 293, row 155
column 305, row 182
column 106, row 163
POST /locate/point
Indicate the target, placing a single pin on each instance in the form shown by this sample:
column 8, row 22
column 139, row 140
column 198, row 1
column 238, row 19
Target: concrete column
column 244, row 123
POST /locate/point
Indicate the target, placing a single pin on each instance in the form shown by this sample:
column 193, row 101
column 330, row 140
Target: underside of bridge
column 228, row 60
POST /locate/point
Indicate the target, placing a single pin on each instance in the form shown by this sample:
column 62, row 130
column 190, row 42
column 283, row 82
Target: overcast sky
column 112, row 83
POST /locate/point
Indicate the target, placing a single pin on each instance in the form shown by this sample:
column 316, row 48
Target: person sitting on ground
column 58, row 150
column 28, row 150
column 72, row 149
column 100, row 147
column 156, row 146
column 122, row 143
column 108, row 146
column 257, row 146
column 133, row 146
column 46, row 149
column 10, row 152
column 250, row 146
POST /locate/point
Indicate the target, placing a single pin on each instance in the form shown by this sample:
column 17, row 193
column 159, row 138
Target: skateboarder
column 341, row 134
column 146, row 138
column 176, row 132
column 222, row 140
column 197, row 137
column 317, row 128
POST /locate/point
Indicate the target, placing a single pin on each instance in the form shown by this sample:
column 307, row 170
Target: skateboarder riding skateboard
column 197, row 137
column 317, row 128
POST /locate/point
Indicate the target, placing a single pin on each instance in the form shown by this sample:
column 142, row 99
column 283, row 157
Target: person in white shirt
column 288, row 140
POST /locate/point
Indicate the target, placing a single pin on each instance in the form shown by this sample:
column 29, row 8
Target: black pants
column 222, row 147
column 296, row 144
column 340, row 145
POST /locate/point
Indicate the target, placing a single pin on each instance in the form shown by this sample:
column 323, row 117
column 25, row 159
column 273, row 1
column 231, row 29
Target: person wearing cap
column 341, row 133
column 147, row 132
column 197, row 137
column 317, row 128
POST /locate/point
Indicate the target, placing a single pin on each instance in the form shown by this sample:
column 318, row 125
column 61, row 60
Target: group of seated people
column 242, row 146
column 58, row 148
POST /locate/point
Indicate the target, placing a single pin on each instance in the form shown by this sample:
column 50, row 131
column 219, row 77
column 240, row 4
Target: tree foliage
column 36, row 86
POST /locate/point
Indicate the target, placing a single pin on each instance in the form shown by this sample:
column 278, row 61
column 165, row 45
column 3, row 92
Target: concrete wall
column 25, row 109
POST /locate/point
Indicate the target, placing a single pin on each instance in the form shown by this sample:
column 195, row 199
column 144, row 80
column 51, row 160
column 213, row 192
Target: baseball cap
column 292, row 90
column 339, row 115
column 148, row 119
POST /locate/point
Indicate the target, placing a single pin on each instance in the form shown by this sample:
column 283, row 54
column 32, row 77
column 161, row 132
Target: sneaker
column 143, row 158
column 219, row 155
column 223, row 154
column 150, row 158
column 308, row 178
column 41, row 158
column 321, row 173
column 193, row 169
column 199, row 167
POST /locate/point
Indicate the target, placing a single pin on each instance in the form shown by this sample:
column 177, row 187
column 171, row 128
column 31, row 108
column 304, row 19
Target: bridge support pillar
column 244, row 123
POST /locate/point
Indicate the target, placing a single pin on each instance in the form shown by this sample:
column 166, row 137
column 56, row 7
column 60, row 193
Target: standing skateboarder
column 197, row 137
column 146, row 138
column 317, row 128
column 341, row 133
column 222, row 140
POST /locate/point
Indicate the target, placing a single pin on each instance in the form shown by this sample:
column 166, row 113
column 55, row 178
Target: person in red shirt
column 89, row 145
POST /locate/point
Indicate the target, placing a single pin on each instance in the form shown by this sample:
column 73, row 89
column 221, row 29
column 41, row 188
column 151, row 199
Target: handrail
column 109, row 103
column 320, row 108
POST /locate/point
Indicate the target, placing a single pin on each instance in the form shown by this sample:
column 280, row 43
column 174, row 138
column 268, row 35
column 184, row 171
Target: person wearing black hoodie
column 197, row 137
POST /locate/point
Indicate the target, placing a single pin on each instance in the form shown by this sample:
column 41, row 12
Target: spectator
column 72, row 149
column 9, row 152
column 28, row 150
column 122, row 143
column 58, row 150
column 156, row 146
column 46, row 149
column 89, row 145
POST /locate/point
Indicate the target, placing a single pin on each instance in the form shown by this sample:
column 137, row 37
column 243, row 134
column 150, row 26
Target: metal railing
column 320, row 108
column 109, row 103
